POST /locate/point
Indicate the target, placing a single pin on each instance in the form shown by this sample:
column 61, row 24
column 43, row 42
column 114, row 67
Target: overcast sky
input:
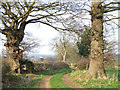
column 43, row 33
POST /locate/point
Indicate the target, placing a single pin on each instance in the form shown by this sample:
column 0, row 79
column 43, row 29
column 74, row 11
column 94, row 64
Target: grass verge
column 79, row 78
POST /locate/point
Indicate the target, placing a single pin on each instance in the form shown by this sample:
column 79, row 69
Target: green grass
column 33, row 80
column 56, row 80
column 95, row 83
column 51, row 72
column 109, row 73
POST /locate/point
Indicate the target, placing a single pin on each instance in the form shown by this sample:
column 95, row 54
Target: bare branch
column 4, row 23
column 5, row 19
column 26, row 14
column 111, row 19
column 110, row 4
column 18, row 8
column 4, row 31
column 110, row 10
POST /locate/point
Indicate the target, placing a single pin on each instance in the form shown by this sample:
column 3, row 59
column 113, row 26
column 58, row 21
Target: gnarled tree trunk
column 96, row 68
column 14, row 54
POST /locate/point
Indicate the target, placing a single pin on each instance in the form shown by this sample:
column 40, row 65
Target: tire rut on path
column 69, row 82
column 44, row 83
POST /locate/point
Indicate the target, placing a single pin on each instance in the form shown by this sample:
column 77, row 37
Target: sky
column 42, row 33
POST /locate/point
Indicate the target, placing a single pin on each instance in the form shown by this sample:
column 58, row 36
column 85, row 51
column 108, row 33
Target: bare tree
column 61, row 45
column 65, row 47
column 73, row 54
column 16, row 15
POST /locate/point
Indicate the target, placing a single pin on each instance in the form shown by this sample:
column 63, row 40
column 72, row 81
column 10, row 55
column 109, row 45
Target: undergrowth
column 22, row 80
column 94, row 83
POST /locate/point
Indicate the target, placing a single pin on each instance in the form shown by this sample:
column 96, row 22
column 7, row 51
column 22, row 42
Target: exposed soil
column 44, row 83
column 69, row 82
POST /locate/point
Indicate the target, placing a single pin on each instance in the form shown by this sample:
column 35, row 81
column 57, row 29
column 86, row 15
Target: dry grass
column 5, row 66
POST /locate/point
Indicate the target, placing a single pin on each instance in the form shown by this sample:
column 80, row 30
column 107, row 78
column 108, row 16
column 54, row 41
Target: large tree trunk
column 96, row 68
column 14, row 54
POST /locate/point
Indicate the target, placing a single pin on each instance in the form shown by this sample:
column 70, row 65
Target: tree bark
column 64, row 56
column 96, row 68
column 14, row 54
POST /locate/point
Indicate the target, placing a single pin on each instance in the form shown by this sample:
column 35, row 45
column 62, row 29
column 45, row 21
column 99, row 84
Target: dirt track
column 44, row 83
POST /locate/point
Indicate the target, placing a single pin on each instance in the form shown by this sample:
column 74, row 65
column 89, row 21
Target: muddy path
column 44, row 83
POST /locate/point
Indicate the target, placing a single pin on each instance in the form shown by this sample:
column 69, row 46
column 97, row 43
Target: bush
column 83, row 64
column 38, row 67
column 29, row 66
column 49, row 66
column 45, row 65
column 60, row 65
column 5, row 66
